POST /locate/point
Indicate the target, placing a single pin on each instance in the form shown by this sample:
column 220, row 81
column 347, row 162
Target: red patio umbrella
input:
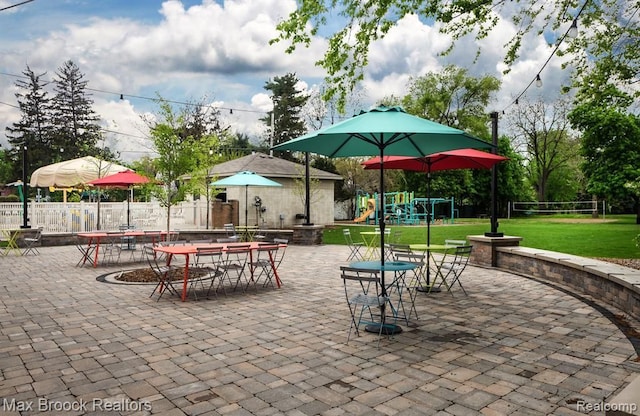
column 121, row 180
column 452, row 159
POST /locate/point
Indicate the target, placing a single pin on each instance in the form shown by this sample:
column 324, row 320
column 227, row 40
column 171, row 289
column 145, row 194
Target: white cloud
column 222, row 50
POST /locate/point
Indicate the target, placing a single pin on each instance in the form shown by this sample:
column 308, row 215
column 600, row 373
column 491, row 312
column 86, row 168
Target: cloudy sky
column 219, row 50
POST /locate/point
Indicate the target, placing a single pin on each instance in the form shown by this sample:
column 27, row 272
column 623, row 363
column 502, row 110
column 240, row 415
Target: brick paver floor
column 71, row 344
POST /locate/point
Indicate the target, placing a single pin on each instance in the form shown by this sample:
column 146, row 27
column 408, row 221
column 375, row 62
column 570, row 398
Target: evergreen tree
column 34, row 127
column 75, row 123
column 288, row 103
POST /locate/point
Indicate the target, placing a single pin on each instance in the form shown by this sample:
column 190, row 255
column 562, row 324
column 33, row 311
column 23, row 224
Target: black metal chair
column 32, row 243
column 164, row 273
column 363, row 292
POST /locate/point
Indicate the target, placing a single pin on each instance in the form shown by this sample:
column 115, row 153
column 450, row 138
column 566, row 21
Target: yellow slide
column 371, row 207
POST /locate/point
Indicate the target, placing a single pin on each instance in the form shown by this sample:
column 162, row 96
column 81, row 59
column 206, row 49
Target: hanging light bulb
column 122, row 96
column 538, row 81
column 573, row 30
column 231, row 111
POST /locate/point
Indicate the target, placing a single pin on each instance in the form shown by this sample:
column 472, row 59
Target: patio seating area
column 512, row 345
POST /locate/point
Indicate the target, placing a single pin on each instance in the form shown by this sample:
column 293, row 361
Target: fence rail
column 83, row 216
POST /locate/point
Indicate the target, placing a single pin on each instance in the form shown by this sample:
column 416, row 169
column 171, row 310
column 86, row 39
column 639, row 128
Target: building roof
column 269, row 166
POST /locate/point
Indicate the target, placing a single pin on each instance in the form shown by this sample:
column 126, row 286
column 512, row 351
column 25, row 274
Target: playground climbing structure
column 404, row 208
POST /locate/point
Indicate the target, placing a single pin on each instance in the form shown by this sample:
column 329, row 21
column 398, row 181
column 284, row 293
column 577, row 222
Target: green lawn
column 577, row 235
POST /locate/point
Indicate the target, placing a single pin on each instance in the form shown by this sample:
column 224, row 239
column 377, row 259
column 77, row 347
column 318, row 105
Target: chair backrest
column 455, row 242
column 414, row 258
column 209, row 255
column 359, row 281
column 347, row 236
column 462, row 255
column 399, row 249
column 230, row 229
column 282, row 247
column 267, row 252
column 150, row 255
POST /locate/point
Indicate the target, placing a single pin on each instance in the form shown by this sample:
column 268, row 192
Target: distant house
column 281, row 206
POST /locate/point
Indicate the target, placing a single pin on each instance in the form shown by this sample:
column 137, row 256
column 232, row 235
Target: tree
column 233, row 145
column 611, row 31
column 543, row 132
column 288, row 102
column 453, row 98
column 610, row 147
column 34, row 127
column 355, row 179
column 175, row 155
column 76, row 127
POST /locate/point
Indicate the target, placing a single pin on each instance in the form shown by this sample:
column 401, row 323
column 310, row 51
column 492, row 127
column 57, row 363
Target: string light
column 140, row 97
column 571, row 32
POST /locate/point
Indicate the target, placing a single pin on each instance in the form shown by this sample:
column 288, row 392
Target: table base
column 387, row 329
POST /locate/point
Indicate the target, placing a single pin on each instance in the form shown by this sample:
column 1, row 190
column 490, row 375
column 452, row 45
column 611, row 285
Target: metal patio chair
column 455, row 268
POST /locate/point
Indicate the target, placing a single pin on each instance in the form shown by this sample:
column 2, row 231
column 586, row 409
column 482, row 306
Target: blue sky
column 190, row 50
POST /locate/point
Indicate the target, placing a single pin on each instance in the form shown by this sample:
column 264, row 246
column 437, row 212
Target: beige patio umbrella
column 74, row 172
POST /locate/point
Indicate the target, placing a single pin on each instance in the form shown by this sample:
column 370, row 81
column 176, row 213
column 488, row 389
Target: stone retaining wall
column 613, row 284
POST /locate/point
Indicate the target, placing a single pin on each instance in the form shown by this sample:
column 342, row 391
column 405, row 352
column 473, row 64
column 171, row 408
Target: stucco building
column 281, row 207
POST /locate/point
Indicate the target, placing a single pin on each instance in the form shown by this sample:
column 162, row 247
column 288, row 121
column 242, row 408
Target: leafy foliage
column 542, row 132
column 611, row 150
column 610, row 35
column 453, row 98
column 175, row 156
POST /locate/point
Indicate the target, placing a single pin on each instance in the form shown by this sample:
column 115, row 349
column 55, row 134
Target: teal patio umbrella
column 245, row 178
column 379, row 132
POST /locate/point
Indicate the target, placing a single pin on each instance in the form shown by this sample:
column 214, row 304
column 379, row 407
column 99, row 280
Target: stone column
column 484, row 251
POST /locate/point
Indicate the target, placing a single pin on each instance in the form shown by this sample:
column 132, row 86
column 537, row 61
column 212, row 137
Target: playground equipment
column 369, row 212
column 404, row 208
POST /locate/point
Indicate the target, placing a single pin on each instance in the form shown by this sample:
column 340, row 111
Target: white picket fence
column 83, row 216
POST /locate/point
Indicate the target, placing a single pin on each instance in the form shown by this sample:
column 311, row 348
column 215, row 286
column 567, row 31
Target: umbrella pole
column 428, row 288
column 246, row 205
column 387, row 329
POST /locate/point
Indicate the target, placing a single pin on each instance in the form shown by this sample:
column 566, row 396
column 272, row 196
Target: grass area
column 579, row 235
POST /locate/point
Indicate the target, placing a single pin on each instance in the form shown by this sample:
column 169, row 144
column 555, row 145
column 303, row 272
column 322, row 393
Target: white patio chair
column 354, row 247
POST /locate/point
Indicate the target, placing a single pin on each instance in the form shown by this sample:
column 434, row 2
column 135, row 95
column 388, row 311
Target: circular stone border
column 113, row 278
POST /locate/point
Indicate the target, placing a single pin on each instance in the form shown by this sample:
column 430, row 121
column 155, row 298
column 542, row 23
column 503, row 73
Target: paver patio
column 513, row 346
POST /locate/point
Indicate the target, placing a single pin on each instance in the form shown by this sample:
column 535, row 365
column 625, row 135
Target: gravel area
column 631, row 263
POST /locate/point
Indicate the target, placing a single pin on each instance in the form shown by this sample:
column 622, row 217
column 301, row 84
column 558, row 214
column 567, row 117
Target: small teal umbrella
column 245, row 178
